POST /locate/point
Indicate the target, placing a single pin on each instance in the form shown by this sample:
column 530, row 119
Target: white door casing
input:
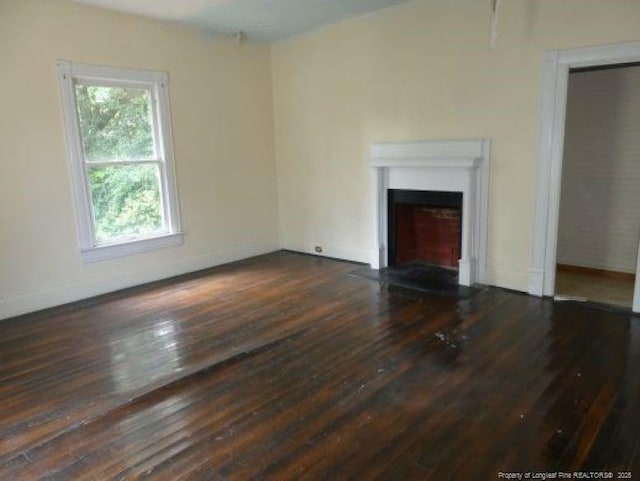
column 555, row 80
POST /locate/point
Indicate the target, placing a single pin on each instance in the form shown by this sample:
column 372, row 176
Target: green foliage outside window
column 126, row 200
column 115, row 125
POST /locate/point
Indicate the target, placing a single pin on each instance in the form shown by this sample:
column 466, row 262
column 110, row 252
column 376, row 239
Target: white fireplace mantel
column 453, row 166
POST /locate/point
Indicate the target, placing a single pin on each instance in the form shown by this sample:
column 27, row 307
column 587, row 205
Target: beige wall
column 600, row 203
column 221, row 100
column 422, row 71
column 419, row 71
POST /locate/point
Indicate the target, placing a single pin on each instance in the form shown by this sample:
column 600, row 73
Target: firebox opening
column 424, row 226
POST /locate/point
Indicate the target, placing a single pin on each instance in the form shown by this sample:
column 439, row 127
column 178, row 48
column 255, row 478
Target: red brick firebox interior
column 429, row 234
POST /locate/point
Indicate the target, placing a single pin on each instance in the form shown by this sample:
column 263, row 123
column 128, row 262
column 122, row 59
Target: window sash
column 156, row 131
column 164, row 211
column 88, row 164
column 116, row 83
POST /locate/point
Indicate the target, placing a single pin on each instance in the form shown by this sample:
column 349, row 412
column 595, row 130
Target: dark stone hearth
column 420, row 276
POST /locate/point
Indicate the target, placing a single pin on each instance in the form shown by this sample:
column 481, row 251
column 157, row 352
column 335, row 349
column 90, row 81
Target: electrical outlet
column 318, row 249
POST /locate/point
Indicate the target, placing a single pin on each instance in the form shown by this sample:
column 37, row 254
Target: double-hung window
column 119, row 142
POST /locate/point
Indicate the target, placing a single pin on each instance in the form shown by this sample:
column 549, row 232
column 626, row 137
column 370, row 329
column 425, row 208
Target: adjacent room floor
column 285, row 366
column 617, row 292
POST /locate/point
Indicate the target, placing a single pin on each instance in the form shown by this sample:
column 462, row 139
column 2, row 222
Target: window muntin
column 119, row 140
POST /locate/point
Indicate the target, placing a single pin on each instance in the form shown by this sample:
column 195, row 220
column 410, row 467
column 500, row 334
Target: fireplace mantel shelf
column 452, row 162
column 451, row 165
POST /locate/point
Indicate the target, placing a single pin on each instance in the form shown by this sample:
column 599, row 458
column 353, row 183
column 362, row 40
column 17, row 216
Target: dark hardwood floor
column 286, row 367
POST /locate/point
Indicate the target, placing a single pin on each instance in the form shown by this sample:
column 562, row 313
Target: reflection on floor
column 618, row 292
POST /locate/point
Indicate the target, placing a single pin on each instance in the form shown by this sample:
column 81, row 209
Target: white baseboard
column 337, row 251
column 597, row 265
column 465, row 272
column 22, row 304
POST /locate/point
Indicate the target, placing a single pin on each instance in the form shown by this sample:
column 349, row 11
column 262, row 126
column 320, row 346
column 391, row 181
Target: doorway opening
column 599, row 198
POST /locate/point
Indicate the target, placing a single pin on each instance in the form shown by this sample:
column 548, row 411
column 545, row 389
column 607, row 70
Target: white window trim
column 158, row 82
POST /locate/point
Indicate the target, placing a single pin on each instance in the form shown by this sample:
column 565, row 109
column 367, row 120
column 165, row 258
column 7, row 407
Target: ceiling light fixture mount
column 495, row 12
column 240, row 37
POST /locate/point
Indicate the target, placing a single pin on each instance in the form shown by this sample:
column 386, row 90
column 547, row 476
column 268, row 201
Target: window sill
column 103, row 253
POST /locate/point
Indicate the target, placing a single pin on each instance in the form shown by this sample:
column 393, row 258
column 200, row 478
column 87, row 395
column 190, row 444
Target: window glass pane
column 126, row 201
column 115, row 123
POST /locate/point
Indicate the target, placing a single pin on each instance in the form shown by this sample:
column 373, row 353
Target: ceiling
column 259, row 20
